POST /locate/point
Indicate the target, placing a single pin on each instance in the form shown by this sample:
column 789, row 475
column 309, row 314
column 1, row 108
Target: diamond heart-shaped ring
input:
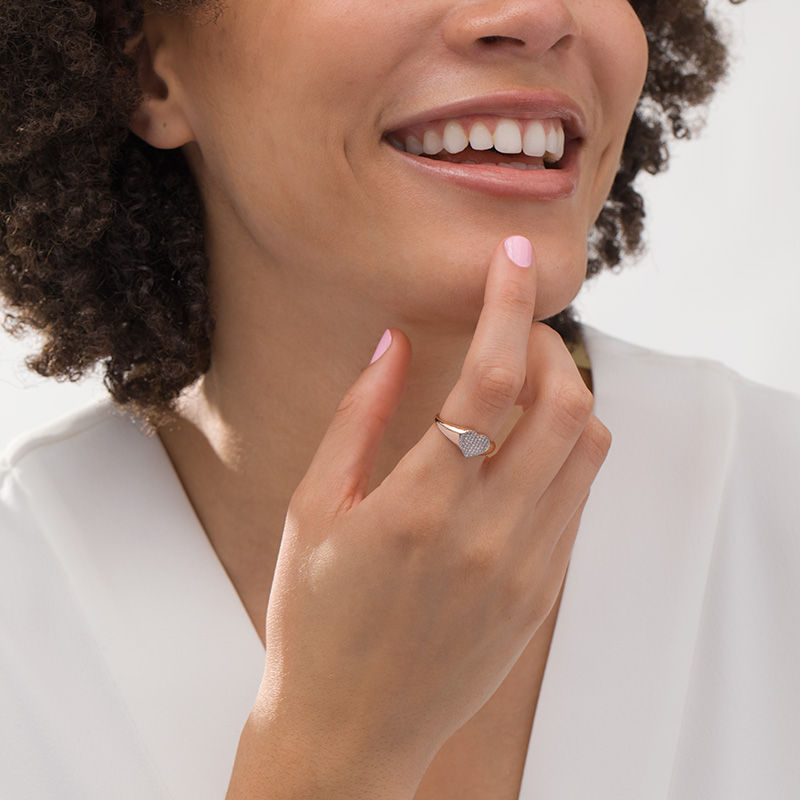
column 470, row 442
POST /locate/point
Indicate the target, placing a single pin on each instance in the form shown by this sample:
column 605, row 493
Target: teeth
column 555, row 143
column 454, row 139
column 432, row 143
column 414, row 145
column 480, row 137
column 536, row 138
column 520, row 165
column 552, row 140
column 507, row 138
column 562, row 143
column 512, row 164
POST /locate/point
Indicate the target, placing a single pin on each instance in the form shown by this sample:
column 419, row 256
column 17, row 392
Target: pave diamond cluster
column 473, row 443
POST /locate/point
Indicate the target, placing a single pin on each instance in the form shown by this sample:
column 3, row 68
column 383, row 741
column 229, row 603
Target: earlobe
column 159, row 118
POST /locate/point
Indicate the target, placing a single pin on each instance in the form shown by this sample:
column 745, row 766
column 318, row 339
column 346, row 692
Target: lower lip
column 533, row 184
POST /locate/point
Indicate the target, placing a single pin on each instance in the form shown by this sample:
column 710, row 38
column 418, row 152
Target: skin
column 319, row 237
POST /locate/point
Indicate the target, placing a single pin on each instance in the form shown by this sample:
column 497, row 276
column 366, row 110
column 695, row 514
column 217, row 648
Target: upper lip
column 515, row 104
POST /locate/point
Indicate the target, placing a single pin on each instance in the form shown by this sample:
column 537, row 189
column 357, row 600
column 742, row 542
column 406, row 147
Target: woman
column 227, row 206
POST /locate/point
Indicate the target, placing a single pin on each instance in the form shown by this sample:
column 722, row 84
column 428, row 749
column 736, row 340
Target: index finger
column 494, row 368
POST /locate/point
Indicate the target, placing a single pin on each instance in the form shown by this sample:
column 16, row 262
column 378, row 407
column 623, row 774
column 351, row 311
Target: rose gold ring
column 470, row 442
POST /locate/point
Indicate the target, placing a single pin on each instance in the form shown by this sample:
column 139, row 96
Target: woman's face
column 290, row 103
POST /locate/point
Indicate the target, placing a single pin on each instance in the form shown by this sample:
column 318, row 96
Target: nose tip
column 523, row 28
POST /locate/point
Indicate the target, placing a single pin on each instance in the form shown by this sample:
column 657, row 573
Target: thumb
column 341, row 468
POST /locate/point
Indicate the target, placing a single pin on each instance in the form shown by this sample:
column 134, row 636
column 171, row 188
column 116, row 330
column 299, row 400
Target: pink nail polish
column 519, row 250
column 383, row 345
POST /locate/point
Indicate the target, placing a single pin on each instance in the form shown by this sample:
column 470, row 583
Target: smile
column 499, row 156
column 507, row 144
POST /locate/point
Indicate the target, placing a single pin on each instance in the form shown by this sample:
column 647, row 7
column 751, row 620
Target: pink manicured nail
column 383, row 345
column 519, row 250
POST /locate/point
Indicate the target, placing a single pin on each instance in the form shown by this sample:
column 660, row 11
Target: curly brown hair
column 101, row 235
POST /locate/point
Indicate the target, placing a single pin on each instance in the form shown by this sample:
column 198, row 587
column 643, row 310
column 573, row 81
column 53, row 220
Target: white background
column 722, row 276
column 721, row 279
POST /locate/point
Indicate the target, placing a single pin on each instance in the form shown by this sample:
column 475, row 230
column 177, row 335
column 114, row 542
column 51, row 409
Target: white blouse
column 128, row 664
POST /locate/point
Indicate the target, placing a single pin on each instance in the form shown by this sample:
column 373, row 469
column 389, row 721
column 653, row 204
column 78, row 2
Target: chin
column 562, row 272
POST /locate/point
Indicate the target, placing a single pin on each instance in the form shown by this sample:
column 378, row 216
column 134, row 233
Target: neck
column 283, row 357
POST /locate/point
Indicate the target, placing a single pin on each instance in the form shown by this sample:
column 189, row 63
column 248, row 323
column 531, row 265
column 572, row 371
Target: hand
column 394, row 617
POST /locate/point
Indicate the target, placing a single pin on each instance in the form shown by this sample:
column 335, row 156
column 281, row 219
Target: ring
column 471, row 443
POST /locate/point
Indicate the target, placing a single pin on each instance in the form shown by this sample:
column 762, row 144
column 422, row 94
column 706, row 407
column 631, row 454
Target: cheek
column 620, row 60
column 281, row 89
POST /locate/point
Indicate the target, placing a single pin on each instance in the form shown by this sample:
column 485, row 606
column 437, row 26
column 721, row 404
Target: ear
column 159, row 118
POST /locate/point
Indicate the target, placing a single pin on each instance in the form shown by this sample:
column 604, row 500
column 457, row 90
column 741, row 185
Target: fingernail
column 383, row 345
column 519, row 250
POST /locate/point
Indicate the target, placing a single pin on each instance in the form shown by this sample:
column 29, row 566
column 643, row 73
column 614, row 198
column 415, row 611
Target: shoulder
column 66, row 432
column 68, row 447
column 755, row 428
column 681, row 379
column 60, row 475
column 69, row 491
